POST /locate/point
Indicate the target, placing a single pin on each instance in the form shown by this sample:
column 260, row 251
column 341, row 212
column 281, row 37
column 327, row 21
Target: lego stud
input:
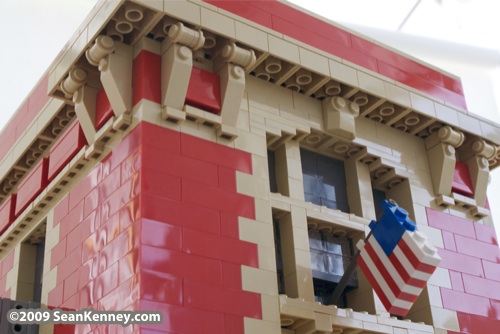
column 339, row 233
column 114, row 34
column 360, row 98
column 122, row 25
column 178, row 33
column 353, row 151
column 338, row 102
column 433, row 128
column 313, row 139
column 18, row 174
column 341, row 148
column 43, row 145
column 337, row 331
column 320, row 94
column 286, row 321
column 376, row 117
column 103, row 46
column 184, row 53
column 483, row 163
column 401, row 127
column 292, row 84
column 70, row 112
column 381, row 172
column 354, row 108
column 450, row 151
column 237, row 72
column 393, row 183
column 166, row 23
column 429, row 249
column 133, row 12
column 272, row 65
column 386, row 109
column 210, row 40
column 77, row 77
column 481, row 148
column 332, row 88
column 447, row 135
column 261, row 73
column 303, row 77
column 238, row 56
column 412, row 120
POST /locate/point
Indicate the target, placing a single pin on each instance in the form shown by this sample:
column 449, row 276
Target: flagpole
column 339, row 289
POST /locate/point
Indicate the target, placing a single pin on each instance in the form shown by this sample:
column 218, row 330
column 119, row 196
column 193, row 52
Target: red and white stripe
column 398, row 279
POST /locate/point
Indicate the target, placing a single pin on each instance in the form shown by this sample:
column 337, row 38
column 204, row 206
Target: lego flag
column 397, row 260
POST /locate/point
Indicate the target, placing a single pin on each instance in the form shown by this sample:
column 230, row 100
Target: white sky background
column 34, row 31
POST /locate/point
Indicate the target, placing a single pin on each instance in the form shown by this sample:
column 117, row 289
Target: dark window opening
column 40, row 255
column 271, row 164
column 331, row 254
column 279, row 257
column 378, row 198
column 324, row 181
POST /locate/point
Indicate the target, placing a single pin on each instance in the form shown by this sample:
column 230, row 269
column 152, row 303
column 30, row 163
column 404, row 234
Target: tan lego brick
column 218, row 22
column 314, row 61
column 284, row 49
column 259, row 281
column 187, row 10
column 445, row 319
column 447, row 114
column 343, row 73
column 270, row 308
column 251, row 36
column 422, row 105
column 260, row 326
column 256, row 232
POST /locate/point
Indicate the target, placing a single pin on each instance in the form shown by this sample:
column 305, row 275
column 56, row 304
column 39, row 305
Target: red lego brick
column 460, row 262
column 491, row 270
column 65, row 148
column 204, row 150
column 463, row 302
column 479, row 324
column 146, row 77
column 178, row 319
column 456, row 281
column 481, row 287
column 464, row 322
column 181, row 166
column 71, row 220
column 486, row 233
column 58, row 253
column 220, row 248
column 157, row 136
column 449, row 241
column 477, row 248
column 32, row 185
column 161, row 234
column 38, row 98
column 462, row 183
column 204, row 90
column 7, row 210
column 103, row 110
column 69, row 265
column 161, row 184
column 162, row 288
column 450, row 223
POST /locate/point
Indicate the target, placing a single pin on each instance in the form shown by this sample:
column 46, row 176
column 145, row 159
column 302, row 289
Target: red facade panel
column 103, row 110
column 65, row 148
column 32, row 185
column 204, row 90
column 7, row 212
column 462, row 183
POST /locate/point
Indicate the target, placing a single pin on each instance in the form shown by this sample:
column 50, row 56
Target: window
column 324, row 181
column 271, row 164
column 279, row 256
column 378, row 197
column 31, row 261
column 331, row 254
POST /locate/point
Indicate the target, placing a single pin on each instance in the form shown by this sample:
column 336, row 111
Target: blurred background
column 459, row 36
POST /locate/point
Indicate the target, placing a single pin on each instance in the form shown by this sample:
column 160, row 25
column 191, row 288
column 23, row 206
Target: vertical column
column 359, row 188
column 289, row 178
column 296, row 255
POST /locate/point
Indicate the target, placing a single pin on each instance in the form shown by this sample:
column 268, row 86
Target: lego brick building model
column 220, row 160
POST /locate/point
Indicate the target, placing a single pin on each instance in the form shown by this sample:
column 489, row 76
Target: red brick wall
column 472, row 256
column 155, row 227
